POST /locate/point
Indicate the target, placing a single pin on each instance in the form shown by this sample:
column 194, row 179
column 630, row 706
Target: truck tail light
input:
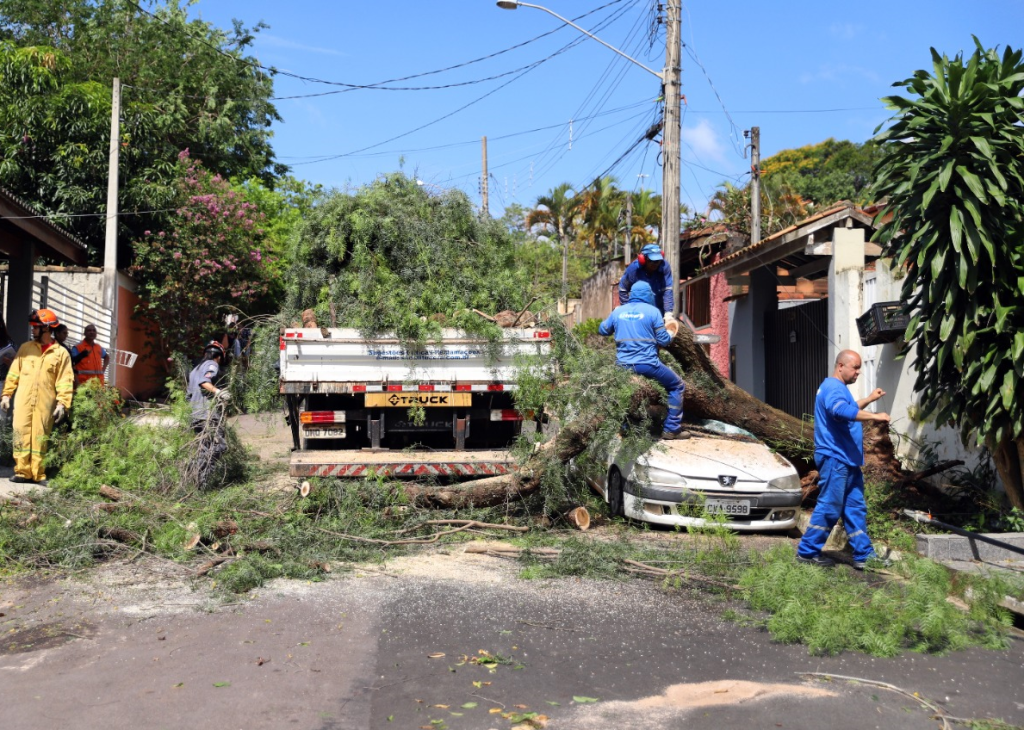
column 506, row 414
column 322, row 417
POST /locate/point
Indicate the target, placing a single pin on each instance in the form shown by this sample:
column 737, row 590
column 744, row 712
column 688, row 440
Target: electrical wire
column 379, row 85
column 563, row 49
column 477, row 141
column 544, row 161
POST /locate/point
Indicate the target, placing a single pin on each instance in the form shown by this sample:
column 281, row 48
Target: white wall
column 897, row 377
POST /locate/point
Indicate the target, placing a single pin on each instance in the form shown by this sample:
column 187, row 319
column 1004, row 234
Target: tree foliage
column 953, row 172
column 391, row 254
column 825, row 173
column 188, row 85
column 210, row 259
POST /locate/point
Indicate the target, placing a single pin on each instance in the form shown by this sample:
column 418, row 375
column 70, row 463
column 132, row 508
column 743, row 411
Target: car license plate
column 324, row 432
column 727, row 506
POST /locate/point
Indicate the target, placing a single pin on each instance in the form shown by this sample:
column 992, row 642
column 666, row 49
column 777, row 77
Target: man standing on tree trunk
column 839, row 456
column 638, row 330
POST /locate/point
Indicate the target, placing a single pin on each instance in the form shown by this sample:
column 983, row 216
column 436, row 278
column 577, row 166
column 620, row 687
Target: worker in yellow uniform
column 41, row 380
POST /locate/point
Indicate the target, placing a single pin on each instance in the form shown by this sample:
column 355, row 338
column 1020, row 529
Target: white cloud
column 703, row 140
column 845, row 31
column 278, row 42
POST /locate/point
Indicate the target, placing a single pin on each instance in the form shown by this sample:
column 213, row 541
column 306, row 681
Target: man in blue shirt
column 839, row 455
column 650, row 266
column 638, row 330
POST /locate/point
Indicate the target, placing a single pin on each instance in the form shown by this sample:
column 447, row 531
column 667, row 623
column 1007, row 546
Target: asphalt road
column 136, row 647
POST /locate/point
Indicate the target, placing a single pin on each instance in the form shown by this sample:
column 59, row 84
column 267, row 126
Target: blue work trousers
column 841, row 495
column 669, row 380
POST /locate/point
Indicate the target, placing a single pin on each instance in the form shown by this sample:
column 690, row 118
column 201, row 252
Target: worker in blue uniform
column 639, row 330
column 650, row 266
column 839, row 456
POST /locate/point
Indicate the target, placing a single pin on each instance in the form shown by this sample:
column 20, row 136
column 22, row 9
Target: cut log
column 309, row 319
column 224, row 528
column 579, row 518
column 114, row 495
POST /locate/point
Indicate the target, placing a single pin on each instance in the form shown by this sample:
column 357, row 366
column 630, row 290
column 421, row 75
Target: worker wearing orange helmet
column 41, row 381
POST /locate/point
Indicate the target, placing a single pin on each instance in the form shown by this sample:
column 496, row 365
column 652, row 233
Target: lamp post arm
column 591, row 35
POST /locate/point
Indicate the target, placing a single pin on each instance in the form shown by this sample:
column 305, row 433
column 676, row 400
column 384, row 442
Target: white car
column 720, row 469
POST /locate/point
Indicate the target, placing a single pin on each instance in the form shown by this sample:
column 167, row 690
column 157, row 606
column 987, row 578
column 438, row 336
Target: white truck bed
column 328, row 360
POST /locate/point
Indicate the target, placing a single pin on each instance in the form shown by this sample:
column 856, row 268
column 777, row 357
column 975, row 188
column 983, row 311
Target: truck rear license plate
column 413, row 399
column 324, row 432
column 736, row 507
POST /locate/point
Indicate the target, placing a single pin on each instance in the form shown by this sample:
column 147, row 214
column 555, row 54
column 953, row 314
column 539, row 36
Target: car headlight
column 653, row 475
column 789, row 482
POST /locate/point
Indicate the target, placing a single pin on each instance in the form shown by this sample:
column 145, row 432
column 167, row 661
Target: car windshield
column 726, row 429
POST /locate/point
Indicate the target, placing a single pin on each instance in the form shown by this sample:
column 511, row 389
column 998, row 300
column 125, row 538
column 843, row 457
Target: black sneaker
column 19, row 479
column 872, row 563
column 678, row 435
column 820, row 560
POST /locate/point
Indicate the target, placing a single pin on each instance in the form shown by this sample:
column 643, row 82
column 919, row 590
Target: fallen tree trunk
column 708, row 395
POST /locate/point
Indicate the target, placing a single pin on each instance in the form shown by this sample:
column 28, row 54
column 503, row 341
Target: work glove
column 59, row 413
column 669, row 317
column 222, row 395
column 5, row 403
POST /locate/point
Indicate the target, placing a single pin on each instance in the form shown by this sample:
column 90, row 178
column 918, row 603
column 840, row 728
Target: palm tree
column 646, row 218
column 556, row 213
column 601, row 208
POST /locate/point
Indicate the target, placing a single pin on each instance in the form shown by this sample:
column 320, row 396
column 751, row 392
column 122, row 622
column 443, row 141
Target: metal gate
column 796, row 356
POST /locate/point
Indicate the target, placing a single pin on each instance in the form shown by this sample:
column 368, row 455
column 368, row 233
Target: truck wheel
column 616, row 502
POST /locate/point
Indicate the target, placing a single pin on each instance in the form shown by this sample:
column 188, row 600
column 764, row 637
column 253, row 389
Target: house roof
column 16, row 215
column 791, row 247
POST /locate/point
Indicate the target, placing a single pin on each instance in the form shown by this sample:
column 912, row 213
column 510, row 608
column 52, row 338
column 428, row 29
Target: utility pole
column 755, row 184
column 627, row 251
column 485, row 209
column 670, row 144
column 110, row 242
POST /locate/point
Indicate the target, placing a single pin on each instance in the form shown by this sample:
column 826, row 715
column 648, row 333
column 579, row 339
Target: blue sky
column 571, row 118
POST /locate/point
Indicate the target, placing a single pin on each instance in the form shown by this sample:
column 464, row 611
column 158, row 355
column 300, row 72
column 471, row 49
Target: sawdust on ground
column 680, row 699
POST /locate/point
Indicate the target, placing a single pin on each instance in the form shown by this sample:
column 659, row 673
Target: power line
column 563, row 49
column 379, row 85
column 477, row 141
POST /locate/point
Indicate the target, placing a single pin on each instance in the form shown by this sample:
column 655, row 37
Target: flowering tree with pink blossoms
column 209, row 260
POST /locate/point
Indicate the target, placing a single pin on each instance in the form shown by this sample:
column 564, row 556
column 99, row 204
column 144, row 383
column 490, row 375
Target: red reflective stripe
column 427, row 387
column 358, row 388
column 392, row 388
column 461, row 387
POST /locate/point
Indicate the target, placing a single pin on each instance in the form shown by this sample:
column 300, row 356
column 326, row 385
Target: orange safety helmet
column 215, row 346
column 44, row 318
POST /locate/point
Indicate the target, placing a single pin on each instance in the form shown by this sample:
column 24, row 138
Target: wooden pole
column 110, row 242
column 670, row 144
column 755, row 184
column 485, row 209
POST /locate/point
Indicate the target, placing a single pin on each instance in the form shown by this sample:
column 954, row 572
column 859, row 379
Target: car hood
column 704, row 457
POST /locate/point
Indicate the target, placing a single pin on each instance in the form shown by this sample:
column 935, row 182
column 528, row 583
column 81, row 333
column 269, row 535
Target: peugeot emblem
column 726, row 480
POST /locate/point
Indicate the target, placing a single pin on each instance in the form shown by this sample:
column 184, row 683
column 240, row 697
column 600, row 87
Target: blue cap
column 652, row 252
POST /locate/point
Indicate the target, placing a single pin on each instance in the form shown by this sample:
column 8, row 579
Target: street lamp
column 669, row 78
column 513, row 4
